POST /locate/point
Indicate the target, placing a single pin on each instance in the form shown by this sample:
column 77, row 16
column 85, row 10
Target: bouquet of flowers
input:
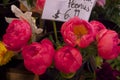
column 84, row 50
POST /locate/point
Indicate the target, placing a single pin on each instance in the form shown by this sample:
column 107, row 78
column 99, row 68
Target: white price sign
column 62, row 10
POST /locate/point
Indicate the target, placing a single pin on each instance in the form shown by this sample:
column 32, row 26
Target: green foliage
column 110, row 11
column 115, row 63
column 90, row 50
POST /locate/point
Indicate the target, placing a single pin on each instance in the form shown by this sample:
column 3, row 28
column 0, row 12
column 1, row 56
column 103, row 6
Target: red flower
column 77, row 32
column 68, row 59
column 107, row 44
column 17, row 35
column 38, row 56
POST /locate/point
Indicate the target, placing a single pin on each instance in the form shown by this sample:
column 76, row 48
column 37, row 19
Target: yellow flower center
column 80, row 30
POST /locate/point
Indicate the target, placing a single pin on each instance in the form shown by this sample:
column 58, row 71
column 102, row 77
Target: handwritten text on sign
column 62, row 10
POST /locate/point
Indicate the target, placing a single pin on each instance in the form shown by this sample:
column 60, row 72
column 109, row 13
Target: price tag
column 62, row 10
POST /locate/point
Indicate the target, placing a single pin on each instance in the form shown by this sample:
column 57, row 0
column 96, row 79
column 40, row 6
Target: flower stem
column 55, row 33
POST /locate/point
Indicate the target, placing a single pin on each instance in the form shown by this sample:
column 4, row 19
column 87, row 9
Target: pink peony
column 38, row 56
column 107, row 44
column 40, row 4
column 97, row 26
column 77, row 32
column 68, row 59
column 101, row 2
column 17, row 35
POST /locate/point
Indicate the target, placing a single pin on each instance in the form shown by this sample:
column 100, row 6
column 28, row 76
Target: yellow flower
column 3, row 49
column 5, row 55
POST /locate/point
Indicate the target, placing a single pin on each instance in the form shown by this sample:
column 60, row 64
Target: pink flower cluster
column 68, row 59
column 38, row 56
column 83, row 33
column 76, row 33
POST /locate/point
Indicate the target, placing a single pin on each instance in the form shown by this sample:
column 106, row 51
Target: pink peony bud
column 77, row 32
column 40, row 4
column 17, row 35
column 97, row 26
column 101, row 2
column 68, row 59
column 107, row 44
column 38, row 56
